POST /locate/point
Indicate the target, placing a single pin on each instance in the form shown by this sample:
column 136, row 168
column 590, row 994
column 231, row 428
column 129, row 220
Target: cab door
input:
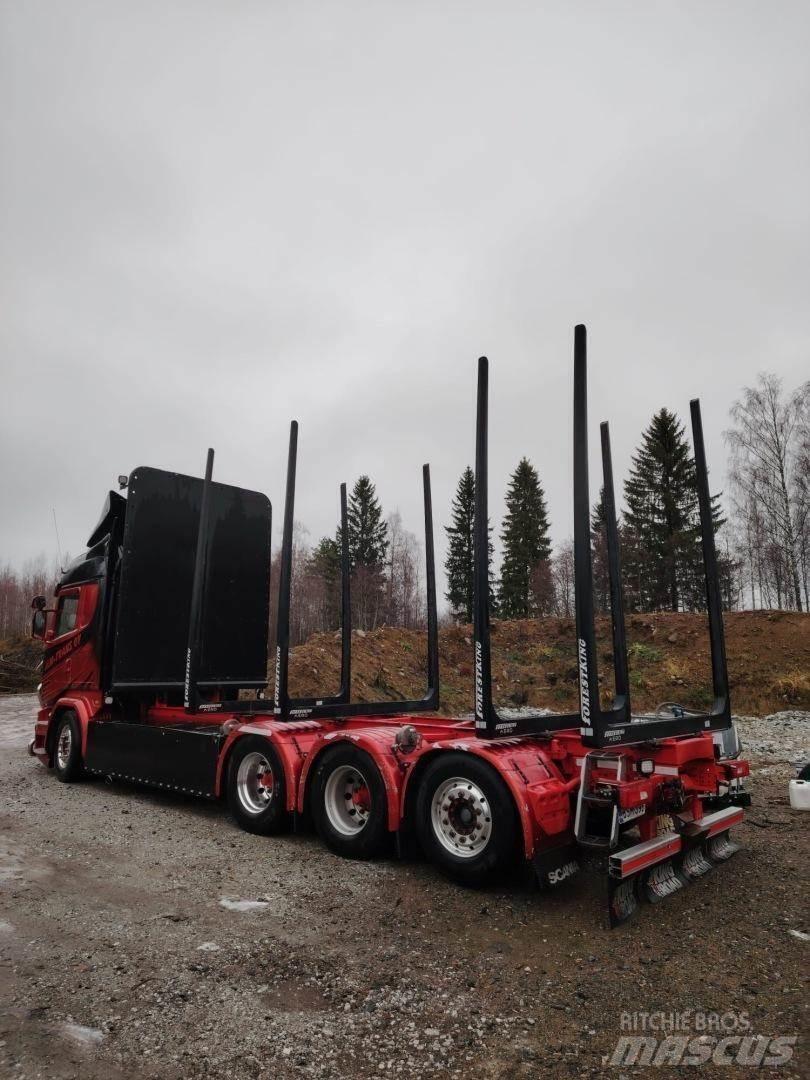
column 70, row 661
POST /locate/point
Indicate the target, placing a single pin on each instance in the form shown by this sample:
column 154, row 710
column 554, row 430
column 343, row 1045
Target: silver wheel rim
column 461, row 817
column 255, row 783
column 64, row 746
column 347, row 800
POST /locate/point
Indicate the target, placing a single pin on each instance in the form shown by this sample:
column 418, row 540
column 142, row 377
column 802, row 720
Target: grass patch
column 647, row 653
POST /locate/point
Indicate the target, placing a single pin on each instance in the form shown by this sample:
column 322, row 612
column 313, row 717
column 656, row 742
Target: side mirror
column 39, row 624
column 39, row 603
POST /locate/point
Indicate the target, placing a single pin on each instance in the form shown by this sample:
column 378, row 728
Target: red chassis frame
column 541, row 773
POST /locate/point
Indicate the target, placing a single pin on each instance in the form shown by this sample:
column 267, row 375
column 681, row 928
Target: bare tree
column 769, row 480
column 404, row 603
column 17, row 587
column 562, row 571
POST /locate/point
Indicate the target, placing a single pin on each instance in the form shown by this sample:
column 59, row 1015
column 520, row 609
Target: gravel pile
column 781, row 739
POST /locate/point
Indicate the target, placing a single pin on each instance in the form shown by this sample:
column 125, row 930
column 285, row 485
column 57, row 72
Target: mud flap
column 721, row 847
column 661, row 881
column 622, row 899
column 555, row 866
column 695, row 863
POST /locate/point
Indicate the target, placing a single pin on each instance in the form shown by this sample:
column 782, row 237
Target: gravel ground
column 143, row 936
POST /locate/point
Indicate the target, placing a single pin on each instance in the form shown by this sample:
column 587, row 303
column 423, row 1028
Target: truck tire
column 349, row 803
column 67, row 748
column 255, row 788
column 466, row 820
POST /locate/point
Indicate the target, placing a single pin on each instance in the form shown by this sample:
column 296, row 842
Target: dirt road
column 126, row 953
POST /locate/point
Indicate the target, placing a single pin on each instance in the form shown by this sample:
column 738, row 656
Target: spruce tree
column 324, row 563
column 459, row 563
column 601, row 570
column 368, row 531
column 663, row 559
column 525, row 542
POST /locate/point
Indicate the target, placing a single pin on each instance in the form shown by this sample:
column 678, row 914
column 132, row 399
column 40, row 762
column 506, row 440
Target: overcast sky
column 216, row 217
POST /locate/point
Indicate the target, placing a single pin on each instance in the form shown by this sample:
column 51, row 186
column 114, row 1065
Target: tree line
column 763, row 540
column 763, row 537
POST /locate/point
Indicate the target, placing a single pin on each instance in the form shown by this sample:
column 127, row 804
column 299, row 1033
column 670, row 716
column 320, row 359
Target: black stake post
column 344, row 693
column 484, row 718
column 616, row 726
column 328, row 707
column 432, row 614
column 583, row 568
column 191, row 690
column 621, row 700
column 717, row 642
column 340, row 705
column 281, row 695
column 297, row 705
column 489, row 723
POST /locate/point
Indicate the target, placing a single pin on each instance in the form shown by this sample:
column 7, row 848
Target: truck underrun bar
column 617, row 725
column 341, row 705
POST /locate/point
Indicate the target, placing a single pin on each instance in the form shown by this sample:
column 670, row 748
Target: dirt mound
column 534, row 662
column 20, row 658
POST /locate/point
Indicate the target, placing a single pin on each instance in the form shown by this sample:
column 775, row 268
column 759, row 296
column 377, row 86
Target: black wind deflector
column 617, row 725
column 341, row 706
column 489, row 723
column 168, row 566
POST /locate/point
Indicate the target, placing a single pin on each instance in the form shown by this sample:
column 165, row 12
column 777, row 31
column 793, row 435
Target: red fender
column 83, row 713
column 376, row 742
column 542, row 802
column 281, row 742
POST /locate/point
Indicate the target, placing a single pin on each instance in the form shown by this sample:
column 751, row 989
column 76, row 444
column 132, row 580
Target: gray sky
column 216, row 217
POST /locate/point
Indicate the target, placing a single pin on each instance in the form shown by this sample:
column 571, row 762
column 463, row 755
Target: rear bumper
column 623, row 864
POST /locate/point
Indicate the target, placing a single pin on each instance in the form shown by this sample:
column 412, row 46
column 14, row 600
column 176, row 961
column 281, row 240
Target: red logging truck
column 155, row 672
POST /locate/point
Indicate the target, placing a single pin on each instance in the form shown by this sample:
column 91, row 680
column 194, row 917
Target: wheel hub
column 255, row 782
column 347, row 800
column 64, row 746
column 461, row 817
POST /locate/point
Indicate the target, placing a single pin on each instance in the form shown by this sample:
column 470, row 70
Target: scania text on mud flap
column 156, row 671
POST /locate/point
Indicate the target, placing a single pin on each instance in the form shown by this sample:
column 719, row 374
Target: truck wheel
column 255, row 787
column 466, row 819
column 67, row 749
column 349, row 804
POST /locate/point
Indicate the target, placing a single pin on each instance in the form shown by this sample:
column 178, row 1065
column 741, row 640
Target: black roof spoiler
column 115, row 506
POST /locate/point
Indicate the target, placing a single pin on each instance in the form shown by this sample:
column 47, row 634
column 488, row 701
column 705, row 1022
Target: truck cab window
column 66, row 615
